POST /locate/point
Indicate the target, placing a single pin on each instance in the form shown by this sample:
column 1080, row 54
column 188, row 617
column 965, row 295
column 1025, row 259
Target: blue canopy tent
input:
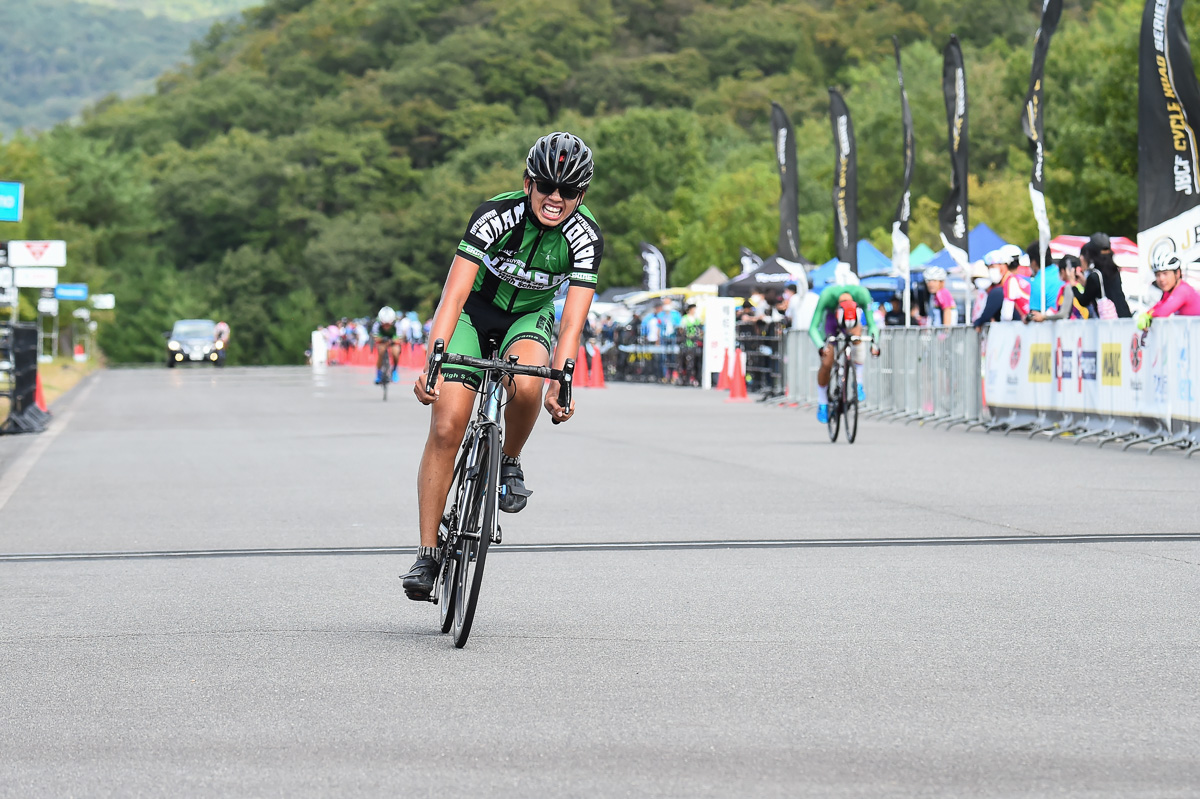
column 870, row 262
column 920, row 255
column 980, row 241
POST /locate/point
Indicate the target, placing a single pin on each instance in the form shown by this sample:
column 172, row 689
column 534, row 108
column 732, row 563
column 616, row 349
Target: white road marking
column 12, row 478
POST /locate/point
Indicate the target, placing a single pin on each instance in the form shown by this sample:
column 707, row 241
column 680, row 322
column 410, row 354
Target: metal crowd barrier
column 675, row 359
column 1100, row 381
column 762, row 342
column 930, row 375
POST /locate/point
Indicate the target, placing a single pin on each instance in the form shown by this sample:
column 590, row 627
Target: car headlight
column 220, row 345
column 207, row 349
column 173, row 346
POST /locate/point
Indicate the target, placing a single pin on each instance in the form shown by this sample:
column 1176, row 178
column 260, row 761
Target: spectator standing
column 1178, row 296
column 1104, row 282
column 942, row 310
column 1040, row 277
column 1067, row 304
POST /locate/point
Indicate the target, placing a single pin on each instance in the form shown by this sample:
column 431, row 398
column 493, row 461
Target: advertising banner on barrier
column 1100, row 368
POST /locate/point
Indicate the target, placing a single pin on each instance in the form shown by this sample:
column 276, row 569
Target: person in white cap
column 942, row 310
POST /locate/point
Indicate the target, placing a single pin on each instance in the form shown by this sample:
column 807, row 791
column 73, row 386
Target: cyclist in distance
column 387, row 344
column 848, row 298
column 519, row 248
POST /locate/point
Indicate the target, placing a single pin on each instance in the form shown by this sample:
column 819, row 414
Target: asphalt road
column 970, row 659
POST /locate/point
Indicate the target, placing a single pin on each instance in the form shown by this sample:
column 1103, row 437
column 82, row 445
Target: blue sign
column 71, row 291
column 12, row 201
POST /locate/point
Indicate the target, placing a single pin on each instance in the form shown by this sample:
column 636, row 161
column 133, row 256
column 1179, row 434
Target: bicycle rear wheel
column 448, row 575
column 478, row 518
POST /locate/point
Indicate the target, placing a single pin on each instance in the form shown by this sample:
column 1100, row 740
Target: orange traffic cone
column 723, row 380
column 39, row 398
column 737, row 383
column 580, row 379
column 596, row 377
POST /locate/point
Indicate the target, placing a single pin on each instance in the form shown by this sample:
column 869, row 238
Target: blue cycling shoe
column 378, row 376
column 862, row 393
column 396, row 377
column 823, row 414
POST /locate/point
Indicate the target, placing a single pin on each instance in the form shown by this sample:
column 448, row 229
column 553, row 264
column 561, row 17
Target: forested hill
column 58, row 56
column 321, row 157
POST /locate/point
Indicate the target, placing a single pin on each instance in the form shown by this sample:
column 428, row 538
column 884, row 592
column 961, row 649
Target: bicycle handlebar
column 853, row 339
column 438, row 357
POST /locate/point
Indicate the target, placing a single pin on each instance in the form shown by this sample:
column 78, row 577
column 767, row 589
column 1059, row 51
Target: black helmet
column 561, row 158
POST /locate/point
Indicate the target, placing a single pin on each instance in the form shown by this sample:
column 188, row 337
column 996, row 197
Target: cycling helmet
column 935, row 273
column 386, row 315
column 1172, row 263
column 847, row 314
column 561, row 158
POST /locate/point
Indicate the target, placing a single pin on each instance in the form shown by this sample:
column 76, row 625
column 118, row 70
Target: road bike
column 470, row 526
column 843, row 386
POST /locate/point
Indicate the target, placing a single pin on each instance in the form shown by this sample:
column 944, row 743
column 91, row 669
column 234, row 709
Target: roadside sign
column 82, row 313
column 35, row 277
column 77, row 292
column 12, row 201
column 6, row 277
column 104, row 302
column 37, row 253
column 48, row 306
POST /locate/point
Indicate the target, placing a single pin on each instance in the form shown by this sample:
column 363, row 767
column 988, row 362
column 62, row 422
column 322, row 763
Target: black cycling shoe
column 513, row 493
column 418, row 582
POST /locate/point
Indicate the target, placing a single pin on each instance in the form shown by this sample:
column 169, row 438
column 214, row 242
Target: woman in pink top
column 1178, row 297
column 942, row 310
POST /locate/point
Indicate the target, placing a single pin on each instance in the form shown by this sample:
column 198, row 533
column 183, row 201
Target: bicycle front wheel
column 851, row 414
column 835, row 415
column 478, row 523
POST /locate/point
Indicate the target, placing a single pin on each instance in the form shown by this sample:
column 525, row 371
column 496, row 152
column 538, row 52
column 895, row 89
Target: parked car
column 191, row 341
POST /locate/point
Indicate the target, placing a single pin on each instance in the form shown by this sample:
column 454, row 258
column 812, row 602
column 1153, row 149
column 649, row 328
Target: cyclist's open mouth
column 551, row 212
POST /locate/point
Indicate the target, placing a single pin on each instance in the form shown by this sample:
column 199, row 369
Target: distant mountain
column 57, row 56
column 187, row 10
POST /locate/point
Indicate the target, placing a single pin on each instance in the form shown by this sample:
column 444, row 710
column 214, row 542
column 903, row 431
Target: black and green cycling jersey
column 523, row 262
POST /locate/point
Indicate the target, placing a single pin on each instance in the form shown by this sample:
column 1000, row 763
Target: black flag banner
column 900, row 242
column 1168, row 107
column 1033, row 121
column 845, row 183
column 654, row 268
column 952, row 217
column 789, row 191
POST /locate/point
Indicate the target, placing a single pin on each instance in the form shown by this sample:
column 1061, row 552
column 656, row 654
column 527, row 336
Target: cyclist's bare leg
column 394, row 348
column 380, row 354
column 826, row 366
column 524, row 407
column 448, row 422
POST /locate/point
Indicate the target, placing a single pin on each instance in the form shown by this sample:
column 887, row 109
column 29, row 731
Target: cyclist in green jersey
column 847, row 299
column 519, row 248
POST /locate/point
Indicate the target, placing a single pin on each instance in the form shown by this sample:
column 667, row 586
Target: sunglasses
column 566, row 192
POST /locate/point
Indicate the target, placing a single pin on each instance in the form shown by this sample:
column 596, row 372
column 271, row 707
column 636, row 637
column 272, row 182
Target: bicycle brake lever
column 564, row 387
column 435, row 365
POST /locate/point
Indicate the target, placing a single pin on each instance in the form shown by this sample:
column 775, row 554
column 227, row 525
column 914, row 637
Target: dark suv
column 191, row 341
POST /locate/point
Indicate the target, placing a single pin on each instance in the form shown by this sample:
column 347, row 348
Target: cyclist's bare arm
column 575, row 311
column 454, row 296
